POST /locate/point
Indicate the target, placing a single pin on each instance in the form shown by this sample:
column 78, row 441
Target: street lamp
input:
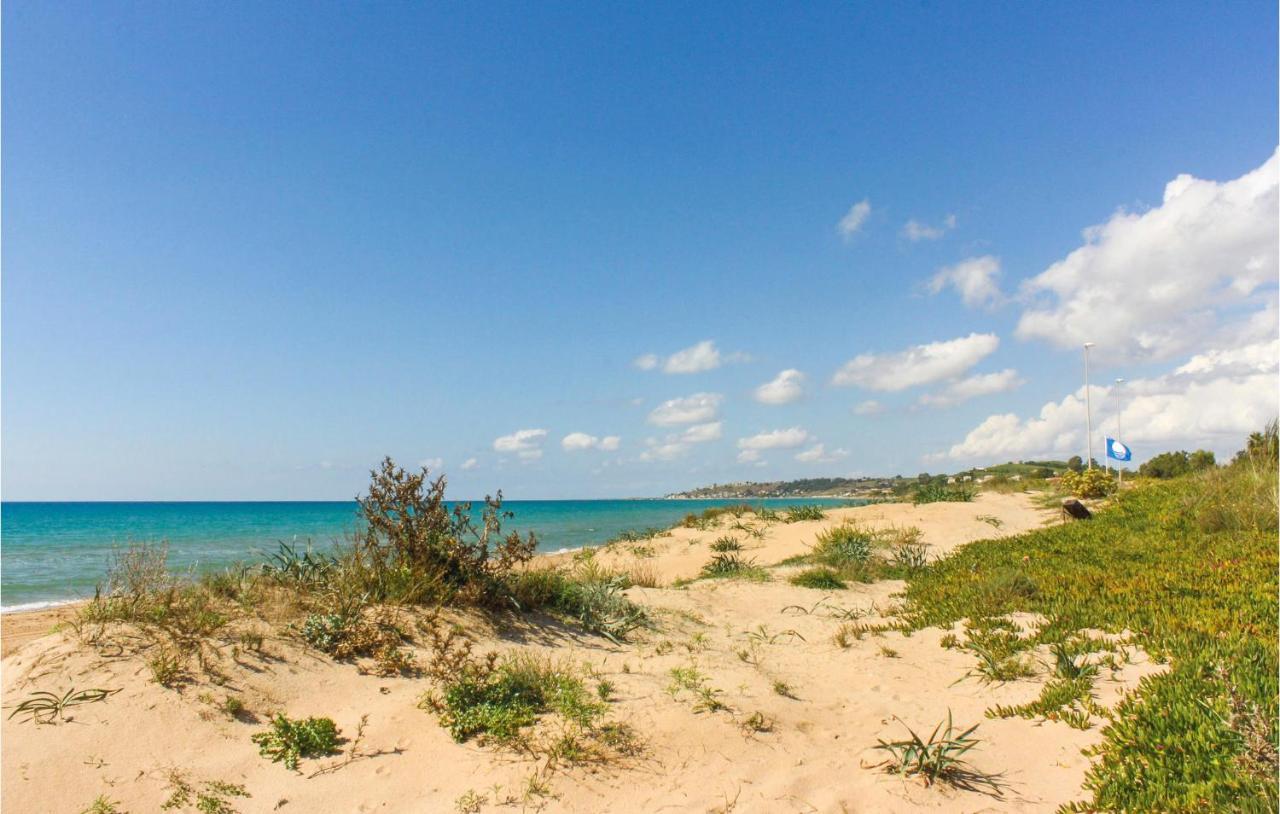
column 1088, row 407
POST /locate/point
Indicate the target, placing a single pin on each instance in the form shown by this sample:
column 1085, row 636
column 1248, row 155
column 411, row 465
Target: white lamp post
column 1119, row 429
column 1088, row 407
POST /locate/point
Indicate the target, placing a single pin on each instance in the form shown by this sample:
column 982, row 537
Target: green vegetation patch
column 289, row 740
column 1189, row 567
column 823, row 579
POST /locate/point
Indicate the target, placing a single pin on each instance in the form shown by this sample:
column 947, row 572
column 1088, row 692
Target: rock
column 1076, row 509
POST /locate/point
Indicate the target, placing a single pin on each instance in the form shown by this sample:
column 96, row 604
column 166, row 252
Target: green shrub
column 726, row 544
column 843, row 545
column 289, row 740
column 729, row 564
column 823, row 579
column 941, row 493
column 590, row 595
column 1088, row 483
column 496, row 698
column 415, row 547
column 1188, row 566
column 807, row 512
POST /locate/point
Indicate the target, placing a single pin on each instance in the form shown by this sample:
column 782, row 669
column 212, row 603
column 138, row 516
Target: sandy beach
column 808, row 749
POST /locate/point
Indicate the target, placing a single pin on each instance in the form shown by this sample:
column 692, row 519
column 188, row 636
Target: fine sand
column 818, row 755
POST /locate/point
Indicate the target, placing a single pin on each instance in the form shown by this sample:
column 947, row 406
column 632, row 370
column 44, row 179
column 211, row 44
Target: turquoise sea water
column 55, row 552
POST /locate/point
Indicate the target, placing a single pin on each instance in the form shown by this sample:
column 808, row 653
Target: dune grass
column 1189, row 567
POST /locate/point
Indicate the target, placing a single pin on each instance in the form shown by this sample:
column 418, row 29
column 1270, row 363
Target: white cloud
column 748, row 456
column 982, row 384
column 854, row 218
column 784, row 388
column 916, row 231
column 577, row 441
column 701, row 433
column 1151, row 286
column 432, row 464
column 921, row 364
column 974, row 279
column 694, row 359
column 1210, row 402
column 697, row 358
column 674, row 446
column 869, row 407
column 687, row 410
column 470, row 463
column 818, row 454
column 776, row 439
column 526, row 444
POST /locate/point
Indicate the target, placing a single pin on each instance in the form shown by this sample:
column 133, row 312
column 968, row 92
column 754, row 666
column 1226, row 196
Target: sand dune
column 817, row 754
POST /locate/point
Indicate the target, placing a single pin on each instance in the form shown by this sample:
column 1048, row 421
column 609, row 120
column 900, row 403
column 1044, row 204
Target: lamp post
column 1119, row 430
column 1088, row 407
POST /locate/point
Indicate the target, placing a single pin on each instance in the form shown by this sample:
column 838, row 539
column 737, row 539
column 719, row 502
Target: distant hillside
column 877, row 486
column 806, row 487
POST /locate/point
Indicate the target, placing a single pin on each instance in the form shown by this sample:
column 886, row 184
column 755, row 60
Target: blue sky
column 249, row 249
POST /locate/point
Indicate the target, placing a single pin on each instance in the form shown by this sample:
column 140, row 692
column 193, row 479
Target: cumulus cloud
column 776, row 439
column 818, row 454
column 694, row 359
column 687, row 410
column 577, row 441
column 470, row 463
column 854, row 218
column 432, row 464
column 973, row 279
column 868, row 407
column 749, row 456
column 527, row 444
column 1151, row 286
column 983, row 384
column 674, row 446
column 697, row 358
column 921, row 364
column 784, row 388
column 915, row 231
column 1211, row 402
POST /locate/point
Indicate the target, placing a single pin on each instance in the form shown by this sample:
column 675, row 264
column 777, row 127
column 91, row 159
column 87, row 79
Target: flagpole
column 1088, row 407
column 1119, row 431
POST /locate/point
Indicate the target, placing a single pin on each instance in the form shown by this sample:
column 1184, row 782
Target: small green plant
column 842, row 546
column 167, row 668
column 102, row 805
column 234, row 707
column 730, row 564
column 213, row 796
column 941, row 493
column 288, row 739
column 705, row 697
column 991, row 520
column 822, row 579
column 784, row 689
column 766, row 515
column 757, row 722
column 848, row 632
column 470, row 803
column 45, row 707
column 938, row 758
column 726, row 544
column 795, row 514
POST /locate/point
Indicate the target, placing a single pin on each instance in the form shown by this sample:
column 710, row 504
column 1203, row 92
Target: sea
column 53, row 553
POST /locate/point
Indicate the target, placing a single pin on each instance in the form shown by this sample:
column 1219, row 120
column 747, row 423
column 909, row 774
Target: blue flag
column 1117, row 451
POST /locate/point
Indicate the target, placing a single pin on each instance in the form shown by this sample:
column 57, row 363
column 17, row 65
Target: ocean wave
column 31, row 606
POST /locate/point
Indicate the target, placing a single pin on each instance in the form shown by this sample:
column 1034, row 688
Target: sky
column 573, row 251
